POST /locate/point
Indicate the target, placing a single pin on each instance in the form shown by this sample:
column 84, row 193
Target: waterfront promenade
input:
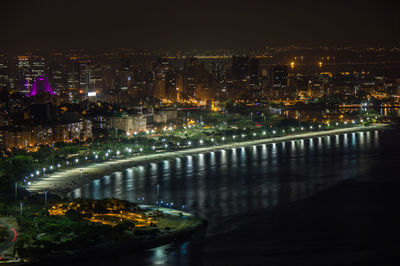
column 64, row 181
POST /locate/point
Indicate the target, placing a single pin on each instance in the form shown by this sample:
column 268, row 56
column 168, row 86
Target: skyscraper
column 4, row 75
column 240, row 67
column 73, row 73
column 24, row 79
column 38, row 67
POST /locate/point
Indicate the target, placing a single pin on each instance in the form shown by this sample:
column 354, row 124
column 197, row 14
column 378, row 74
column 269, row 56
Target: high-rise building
column 38, row 67
column 170, row 86
column 24, row 76
column 277, row 81
column 240, row 67
column 253, row 69
column 4, row 75
column 279, row 76
column 4, row 80
column 218, row 71
column 57, row 76
column 194, row 74
column 84, row 75
column 73, row 73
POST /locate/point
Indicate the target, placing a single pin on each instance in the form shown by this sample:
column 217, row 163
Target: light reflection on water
column 222, row 185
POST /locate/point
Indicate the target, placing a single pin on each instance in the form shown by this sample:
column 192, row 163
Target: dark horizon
column 204, row 25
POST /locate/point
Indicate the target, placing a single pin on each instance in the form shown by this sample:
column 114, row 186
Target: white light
column 242, row 135
column 353, row 121
column 345, row 122
column 96, row 156
column 67, row 163
column 29, row 183
column 106, row 154
column 178, row 143
column 310, row 127
column 283, row 131
column 153, row 147
column 337, row 123
column 135, row 133
column 44, row 169
column 292, row 129
column 212, row 140
column 223, row 138
column 189, row 143
column 234, row 136
column 130, row 150
column 273, row 132
column 37, row 172
column 31, row 175
column 361, row 120
column 51, row 167
column 90, row 94
column 152, row 131
column 117, row 152
column 302, row 128
column 201, row 141
column 170, row 128
column 319, row 126
column 166, row 146
column 254, row 134
column 141, row 149
column 147, row 132
column 76, row 160
column 264, row 132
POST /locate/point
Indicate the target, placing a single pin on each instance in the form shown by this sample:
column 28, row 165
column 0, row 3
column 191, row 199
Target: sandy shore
column 64, row 181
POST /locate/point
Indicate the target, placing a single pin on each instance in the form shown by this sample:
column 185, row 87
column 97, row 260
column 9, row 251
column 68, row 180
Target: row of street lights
column 108, row 153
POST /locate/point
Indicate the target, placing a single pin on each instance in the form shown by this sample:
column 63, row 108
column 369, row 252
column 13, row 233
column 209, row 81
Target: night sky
column 196, row 24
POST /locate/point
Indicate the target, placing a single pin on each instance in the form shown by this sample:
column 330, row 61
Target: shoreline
column 189, row 225
column 65, row 181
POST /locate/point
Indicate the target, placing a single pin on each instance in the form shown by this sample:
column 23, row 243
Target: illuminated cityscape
column 175, row 133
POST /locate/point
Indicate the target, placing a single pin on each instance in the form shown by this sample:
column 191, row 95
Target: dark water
column 224, row 186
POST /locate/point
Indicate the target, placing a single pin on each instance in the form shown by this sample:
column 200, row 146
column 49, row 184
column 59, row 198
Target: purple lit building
column 41, row 85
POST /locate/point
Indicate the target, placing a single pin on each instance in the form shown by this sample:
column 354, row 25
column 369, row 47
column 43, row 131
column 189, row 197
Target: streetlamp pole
column 81, row 182
column 45, row 199
column 16, row 190
column 158, row 196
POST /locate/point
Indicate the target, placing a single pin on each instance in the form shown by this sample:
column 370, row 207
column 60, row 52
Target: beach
column 64, row 181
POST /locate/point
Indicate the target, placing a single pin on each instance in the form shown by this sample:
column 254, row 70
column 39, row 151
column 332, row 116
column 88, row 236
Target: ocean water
column 227, row 187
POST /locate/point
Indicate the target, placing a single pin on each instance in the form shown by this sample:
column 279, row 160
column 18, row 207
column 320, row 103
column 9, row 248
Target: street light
column 158, row 196
column 45, row 199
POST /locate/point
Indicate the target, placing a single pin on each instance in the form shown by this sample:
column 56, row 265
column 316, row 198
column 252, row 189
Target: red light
column 15, row 235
